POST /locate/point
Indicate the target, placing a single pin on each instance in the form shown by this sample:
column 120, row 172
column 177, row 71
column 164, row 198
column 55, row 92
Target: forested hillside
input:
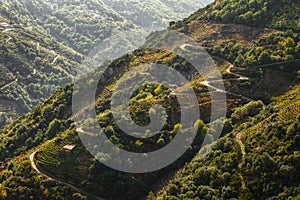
column 33, row 66
column 283, row 14
column 42, row 42
column 257, row 156
column 259, row 159
column 84, row 24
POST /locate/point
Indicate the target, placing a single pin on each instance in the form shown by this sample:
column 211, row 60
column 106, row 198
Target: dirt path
column 238, row 139
column 33, row 165
column 6, row 30
column 209, row 83
column 9, row 84
column 63, row 70
column 54, row 60
column 241, row 77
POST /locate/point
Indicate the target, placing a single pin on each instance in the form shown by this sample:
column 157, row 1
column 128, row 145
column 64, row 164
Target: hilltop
column 282, row 14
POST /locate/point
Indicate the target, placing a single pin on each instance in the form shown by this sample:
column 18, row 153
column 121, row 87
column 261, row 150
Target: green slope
column 257, row 158
column 282, row 14
column 84, row 24
column 80, row 24
column 33, row 66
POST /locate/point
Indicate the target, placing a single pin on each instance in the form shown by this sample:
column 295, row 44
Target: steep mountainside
column 84, row 24
column 53, row 122
column 155, row 13
column 251, row 47
column 80, row 24
column 257, row 157
column 283, row 14
column 33, row 66
column 38, row 37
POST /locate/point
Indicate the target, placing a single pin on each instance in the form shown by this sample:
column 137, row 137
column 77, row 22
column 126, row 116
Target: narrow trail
column 241, row 77
column 6, row 30
column 54, row 60
column 238, row 139
column 9, row 39
column 63, row 70
column 59, row 68
column 33, row 165
column 209, row 83
column 9, row 84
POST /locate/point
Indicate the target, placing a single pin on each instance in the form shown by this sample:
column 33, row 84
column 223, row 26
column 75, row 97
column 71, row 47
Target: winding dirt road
column 33, row 165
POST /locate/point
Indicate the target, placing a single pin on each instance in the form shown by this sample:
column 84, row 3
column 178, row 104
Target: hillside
column 52, row 122
column 33, row 66
column 42, row 42
column 82, row 25
column 257, row 157
column 282, row 15
column 155, row 13
column 258, row 51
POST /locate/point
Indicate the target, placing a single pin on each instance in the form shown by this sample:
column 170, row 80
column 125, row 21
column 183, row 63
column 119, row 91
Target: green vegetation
column 43, row 123
column 80, row 24
column 269, row 169
column 39, row 47
column 257, row 156
column 49, row 127
column 153, row 13
column 283, row 14
column 274, row 47
column 33, row 66
column 84, row 24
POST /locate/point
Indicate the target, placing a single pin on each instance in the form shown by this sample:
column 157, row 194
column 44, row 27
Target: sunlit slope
column 259, row 159
column 33, row 66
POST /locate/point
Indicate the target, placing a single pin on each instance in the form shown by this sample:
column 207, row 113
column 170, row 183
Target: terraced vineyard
column 51, row 158
column 289, row 112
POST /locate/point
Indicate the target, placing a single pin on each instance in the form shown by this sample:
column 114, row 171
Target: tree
column 161, row 142
column 264, row 57
column 289, row 45
column 53, row 128
column 297, row 49
column 159, row 89
column 177, row 127
column 200, row 126
column 239, row 61
column 78, row 196
column 151, row 196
